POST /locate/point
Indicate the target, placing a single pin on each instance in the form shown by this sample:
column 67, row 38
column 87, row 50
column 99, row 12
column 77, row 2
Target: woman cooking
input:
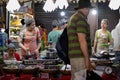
column 30, row 40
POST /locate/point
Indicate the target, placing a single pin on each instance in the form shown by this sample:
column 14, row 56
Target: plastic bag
column 91, row 75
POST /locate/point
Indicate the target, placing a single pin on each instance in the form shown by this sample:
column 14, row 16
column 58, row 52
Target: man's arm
column 84, row 48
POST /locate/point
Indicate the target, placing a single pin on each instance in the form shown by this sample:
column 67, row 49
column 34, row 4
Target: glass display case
column 15, row 25
column 15, row 18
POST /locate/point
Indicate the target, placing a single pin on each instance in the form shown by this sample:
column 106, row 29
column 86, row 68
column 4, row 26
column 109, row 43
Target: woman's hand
column 36, row 51
column 37, row 54
column 26, row 49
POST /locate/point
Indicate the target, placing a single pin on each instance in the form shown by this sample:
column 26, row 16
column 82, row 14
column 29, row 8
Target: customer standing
column 103, row 37
column 79, row 43
column 30, row 40
column 116, row 43
column 54, row 34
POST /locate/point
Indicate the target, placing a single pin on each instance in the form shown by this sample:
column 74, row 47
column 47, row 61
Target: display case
column 15, row 25
column 15, row 18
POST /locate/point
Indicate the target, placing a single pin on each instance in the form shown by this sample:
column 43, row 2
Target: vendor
column 103, row 37
column 11, row 53
column 30, row 40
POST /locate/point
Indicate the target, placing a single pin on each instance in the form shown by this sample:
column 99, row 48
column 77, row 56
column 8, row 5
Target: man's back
column 77, row 24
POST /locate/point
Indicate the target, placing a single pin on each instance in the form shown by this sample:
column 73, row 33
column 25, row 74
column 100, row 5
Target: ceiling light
column 94, row 11
column 62, row 13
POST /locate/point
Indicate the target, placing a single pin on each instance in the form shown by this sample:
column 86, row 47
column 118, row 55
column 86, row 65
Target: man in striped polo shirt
column 79, row 43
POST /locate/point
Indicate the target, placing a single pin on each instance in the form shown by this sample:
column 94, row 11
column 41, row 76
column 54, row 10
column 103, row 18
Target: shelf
column 14, row 36
column 15, row 27
column 16, row 13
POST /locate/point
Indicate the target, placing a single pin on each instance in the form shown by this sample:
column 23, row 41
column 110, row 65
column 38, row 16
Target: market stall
column 48, row 67
column 39, row 69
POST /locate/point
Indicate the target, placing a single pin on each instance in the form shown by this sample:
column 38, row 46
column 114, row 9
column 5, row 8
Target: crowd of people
column 32, row 39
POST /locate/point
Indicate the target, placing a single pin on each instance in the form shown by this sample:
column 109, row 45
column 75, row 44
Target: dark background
column 46, row 19
column 103, row 12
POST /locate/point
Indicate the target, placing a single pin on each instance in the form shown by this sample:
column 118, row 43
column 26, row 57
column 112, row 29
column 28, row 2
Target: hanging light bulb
column 114, row 4
column 49, row 6
column 61, row 4
column 35, row 1
column 94, row 1
column 13, row 5
column 94, row 11
column 104, row 1
column 99, row 0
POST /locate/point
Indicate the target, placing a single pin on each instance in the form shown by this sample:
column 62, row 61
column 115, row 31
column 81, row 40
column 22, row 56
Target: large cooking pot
column 51, row 55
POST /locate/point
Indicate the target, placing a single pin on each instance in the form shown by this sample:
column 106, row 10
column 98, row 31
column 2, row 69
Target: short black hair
column 22, row 21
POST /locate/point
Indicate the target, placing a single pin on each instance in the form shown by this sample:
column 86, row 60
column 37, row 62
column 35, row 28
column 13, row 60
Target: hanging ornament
column 49, row 6
column 61, row 4
column 114, row 4
column 13, row 5
column 99, row 0
column 104, row 1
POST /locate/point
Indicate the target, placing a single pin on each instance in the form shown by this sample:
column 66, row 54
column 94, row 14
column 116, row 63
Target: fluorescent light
column 62, row 13
column 94, row 11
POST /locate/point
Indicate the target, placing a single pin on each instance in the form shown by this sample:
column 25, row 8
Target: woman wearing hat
column 30, row 40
